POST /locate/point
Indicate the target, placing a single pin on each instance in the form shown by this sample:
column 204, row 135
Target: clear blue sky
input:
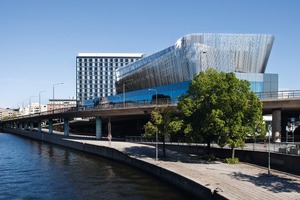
column 39, row 40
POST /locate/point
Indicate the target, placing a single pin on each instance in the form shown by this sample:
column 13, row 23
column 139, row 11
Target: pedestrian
column 109, row 139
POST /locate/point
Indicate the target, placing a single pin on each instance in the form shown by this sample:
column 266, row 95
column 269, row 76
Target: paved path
column 239, row 181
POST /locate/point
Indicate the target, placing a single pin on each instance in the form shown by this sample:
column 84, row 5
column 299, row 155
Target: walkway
column 239, row 181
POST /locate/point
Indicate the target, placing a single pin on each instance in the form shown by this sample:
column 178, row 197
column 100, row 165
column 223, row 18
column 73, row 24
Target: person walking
column 109, row 138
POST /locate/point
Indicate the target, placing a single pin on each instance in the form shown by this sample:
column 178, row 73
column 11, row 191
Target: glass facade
column 96, row 74
column 241, row 53
column 169, row 72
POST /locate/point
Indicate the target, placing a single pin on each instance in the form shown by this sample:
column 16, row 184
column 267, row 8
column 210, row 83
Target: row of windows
column 106, row 59
column 91, row 94
column 95, row 86
column 95, row 90
column 106, row 78
column 96, row 69
column 96, row 73
column 103, row 64
column 85, row 79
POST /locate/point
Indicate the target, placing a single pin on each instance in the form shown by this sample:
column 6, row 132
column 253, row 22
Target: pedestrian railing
column 290, row 148
column 284, row 94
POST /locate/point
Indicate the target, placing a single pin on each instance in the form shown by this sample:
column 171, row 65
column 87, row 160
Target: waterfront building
column 169, row 71
column 96, row 73
column 61, row 103
column 7, row 113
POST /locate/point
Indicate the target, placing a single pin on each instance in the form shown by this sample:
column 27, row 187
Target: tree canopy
column 220, row 107
column 163, row 123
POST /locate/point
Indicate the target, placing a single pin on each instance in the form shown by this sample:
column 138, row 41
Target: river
column 36, row 170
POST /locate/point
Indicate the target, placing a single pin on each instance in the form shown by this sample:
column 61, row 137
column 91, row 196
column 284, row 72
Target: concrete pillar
column 20, row 125
column 50, row 121
column 25, row 125
column 98, row 128
column 39, row 126
column 31, row 126
column 66, row 127
column 276, row 124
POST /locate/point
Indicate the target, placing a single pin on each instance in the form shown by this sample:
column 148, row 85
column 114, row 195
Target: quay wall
column 186, row 184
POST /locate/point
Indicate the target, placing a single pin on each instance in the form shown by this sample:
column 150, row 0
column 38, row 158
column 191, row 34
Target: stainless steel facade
column 240, row 53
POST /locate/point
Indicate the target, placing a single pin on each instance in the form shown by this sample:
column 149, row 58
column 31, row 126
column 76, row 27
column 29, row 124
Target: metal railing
column 103, row 106
column 284, row 94
column 290, row 148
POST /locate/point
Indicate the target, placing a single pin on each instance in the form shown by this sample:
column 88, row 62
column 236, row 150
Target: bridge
column 283, row 105
column 101, row 114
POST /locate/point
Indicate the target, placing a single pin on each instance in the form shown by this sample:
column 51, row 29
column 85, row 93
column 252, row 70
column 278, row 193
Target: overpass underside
column 285, row 118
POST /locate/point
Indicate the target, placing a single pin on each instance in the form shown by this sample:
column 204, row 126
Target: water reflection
column 35, row 170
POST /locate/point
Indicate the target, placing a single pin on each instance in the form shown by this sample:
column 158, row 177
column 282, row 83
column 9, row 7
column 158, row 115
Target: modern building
column 169, row 71
column 96, row 73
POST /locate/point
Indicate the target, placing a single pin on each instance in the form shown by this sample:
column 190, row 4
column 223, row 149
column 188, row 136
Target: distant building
column 96, row 73
column 61, row 103
column 8, row 112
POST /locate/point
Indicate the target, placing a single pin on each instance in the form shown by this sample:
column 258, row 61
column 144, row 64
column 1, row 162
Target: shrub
column 232, row 160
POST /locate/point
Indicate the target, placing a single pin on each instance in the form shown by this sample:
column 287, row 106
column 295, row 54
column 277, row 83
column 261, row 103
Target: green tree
column 220, row 107
column 164, row 123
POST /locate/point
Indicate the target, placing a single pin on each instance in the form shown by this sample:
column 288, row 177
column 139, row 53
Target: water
column 35, row 170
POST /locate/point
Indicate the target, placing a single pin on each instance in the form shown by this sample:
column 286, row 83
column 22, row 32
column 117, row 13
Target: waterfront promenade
column 239, row 181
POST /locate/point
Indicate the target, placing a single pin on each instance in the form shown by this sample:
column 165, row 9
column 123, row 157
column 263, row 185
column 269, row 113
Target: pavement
column 233, row 181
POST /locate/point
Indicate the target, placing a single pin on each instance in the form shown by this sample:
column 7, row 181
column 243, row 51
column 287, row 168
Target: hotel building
column 96, row 73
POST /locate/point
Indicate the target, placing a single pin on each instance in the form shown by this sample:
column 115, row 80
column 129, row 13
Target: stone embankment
column 205, row 180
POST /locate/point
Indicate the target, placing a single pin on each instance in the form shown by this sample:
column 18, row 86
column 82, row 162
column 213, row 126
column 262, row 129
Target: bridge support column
column 25, row 125
column 31, row 126
column 276, row 124
column 39, row 126
column 50, row 121
column 98, row 128
column 66, row 127
column 20, row 125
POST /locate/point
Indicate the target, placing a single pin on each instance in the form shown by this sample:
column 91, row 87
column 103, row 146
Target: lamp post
column 124, row 84
column 155, row 95
column 40, row 100
column 30, row 103
column 156, row 149
column 269, row 156
column 53, row 95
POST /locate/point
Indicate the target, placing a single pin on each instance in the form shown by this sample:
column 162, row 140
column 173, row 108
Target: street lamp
column 269, row 156
column 53, row 94
column 124, row 84
column 40, row 100
column 30, row 103
column 156, row 149
column 155, row 95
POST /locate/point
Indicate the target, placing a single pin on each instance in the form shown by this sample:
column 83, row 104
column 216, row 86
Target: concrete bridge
column 283, row 106
column 101, row 114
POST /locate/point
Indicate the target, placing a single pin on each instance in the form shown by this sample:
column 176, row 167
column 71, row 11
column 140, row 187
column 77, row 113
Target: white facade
column 96, row 73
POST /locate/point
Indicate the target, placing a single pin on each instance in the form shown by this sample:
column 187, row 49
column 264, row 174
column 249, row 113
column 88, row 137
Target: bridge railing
column 104, row 106
column 284, row 94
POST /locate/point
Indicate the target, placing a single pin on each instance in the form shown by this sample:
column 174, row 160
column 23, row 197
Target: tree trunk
column 232, row 152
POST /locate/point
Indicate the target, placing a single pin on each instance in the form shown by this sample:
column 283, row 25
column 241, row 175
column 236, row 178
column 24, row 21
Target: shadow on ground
column 171, row 156
column 271, row 182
